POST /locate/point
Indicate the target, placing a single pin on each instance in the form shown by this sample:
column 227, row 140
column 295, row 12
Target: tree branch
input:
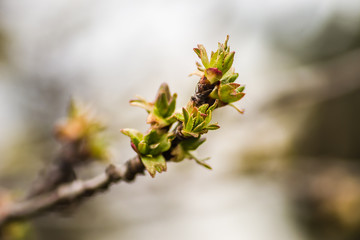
column 70, row 193
column 57, row 186
column 47, row 194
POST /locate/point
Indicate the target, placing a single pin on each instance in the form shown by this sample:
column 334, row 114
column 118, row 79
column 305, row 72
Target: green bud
column 195, row 120
column 158, row 142
column 230, row 92
column 213, row 75
column 142, row 147
column 161, row 110
column 161, row 104
column 220, row 61
column 150, row 148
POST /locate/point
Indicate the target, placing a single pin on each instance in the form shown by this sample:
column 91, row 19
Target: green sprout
column 219, row 64
column 219, row 71
column 161, row 110
column 196, row 120
column 176, row 142
column 227, row 93
column 150, row 148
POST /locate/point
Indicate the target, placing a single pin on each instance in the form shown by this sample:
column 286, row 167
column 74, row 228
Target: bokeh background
column 287, row 169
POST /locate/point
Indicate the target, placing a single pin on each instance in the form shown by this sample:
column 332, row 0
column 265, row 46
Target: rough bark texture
column 69, row 193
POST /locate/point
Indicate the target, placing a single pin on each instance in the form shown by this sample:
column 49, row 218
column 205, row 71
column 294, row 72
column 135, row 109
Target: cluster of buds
column 80, row 127
column 196, row 120
column 150, row 148
column 159, row 145
column 218, row 71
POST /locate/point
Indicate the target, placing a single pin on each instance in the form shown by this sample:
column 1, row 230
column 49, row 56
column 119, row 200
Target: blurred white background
column 106, row 52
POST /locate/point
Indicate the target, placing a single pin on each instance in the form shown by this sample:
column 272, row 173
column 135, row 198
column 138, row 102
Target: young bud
column 230, row 92
column 150, row 148
column 195, row 121
column 161, row 110
column 213, row 75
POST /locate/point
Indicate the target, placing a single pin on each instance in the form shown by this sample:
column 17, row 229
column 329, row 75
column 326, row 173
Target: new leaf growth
column 217, row 87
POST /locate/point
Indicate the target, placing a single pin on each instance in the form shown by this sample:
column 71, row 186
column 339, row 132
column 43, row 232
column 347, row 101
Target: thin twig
column 70, row 193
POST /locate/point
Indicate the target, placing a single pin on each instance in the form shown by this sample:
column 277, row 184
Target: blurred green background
column 287, row 169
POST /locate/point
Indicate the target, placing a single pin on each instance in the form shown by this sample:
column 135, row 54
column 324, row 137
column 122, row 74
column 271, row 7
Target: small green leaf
column 212, row 107
column 194, row 111
column 199, row 127
column 240, row 89
column 172, row 105
column 198, row 119
column 197, row 51
column 154, row 164
column 228, row 61
column 213, row 127
column 186, row 116
column 164, row 145
column 134, row 135
column 179, row 117
column 189, row 125
column 203, row 56
column 190, row 134
column 203, row 108
column 220, row 61
column 192, row 143
column 208, row 117
column 231, row 79
column 152, row 137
